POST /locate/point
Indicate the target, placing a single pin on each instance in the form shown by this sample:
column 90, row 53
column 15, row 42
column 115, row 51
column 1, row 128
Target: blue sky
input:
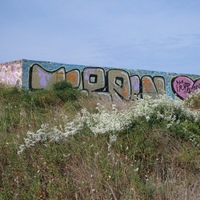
column 161, row 35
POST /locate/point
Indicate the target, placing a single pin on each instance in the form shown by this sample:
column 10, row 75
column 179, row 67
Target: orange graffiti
column 124, row 92
column 147, row 84
column 71, row 77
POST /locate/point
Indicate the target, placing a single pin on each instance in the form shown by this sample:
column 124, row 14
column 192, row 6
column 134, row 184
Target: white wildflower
column 136, row 169
column 169, row 125
column 112, row 121
column 147, row 118
column 113, row 139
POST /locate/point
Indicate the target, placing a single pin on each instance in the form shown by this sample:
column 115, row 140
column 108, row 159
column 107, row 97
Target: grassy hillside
column 60, row 144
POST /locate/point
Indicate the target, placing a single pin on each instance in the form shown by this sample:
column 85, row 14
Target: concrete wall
column 108, row 83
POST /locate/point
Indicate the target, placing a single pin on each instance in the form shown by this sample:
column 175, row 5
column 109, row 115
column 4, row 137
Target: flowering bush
column 164, row 112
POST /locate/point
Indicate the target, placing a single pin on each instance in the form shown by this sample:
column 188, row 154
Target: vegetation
column 193, row 100
column 59, row 144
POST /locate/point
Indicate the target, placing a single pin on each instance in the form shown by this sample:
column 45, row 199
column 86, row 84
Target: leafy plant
column 65, row 91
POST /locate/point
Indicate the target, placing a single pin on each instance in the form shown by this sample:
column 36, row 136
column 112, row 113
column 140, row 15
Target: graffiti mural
column 183, row 86
column 107, row 83
column 114, row 84
column 11, row 73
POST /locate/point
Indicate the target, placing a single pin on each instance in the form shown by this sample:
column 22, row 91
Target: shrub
column 65, row 91
column 43, row 98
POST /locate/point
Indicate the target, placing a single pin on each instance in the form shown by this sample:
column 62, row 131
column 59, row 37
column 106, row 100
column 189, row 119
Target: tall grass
column 71, row 146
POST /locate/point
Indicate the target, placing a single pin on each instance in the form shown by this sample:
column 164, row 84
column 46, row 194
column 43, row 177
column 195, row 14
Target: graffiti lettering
column 119, row 84
column 135, row 86
column 152, row 86
column 182, row 86
column 73, row 77
column 40, row 78
column 93, row 79
column 114, row 84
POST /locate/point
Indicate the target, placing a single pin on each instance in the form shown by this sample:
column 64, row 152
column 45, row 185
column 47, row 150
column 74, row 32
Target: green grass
column 147, row 160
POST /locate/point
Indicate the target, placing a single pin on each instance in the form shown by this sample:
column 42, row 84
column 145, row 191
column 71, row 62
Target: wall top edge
column 77, row 65
column 14, row 61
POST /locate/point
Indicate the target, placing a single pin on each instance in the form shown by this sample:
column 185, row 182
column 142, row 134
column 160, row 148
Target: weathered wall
column 113, row 84
column 108, row 83
column 11, row 73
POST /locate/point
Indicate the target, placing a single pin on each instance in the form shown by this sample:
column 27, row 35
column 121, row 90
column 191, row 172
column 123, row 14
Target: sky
column 158, row 35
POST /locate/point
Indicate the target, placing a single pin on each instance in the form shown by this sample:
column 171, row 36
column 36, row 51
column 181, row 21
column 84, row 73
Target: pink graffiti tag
column 11, row 74
column 183, row 86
